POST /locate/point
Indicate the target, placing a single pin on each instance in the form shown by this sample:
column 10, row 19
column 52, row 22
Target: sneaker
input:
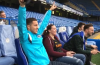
column 92, row 63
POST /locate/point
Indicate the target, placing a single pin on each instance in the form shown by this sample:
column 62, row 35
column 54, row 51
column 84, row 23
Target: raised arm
column 46, row 19
column 22, row 21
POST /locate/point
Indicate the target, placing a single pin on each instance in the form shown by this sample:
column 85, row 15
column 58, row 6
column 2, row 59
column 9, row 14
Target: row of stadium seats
column 87, row 6
column 94, row 22
column 97, row 2
column 58, row 21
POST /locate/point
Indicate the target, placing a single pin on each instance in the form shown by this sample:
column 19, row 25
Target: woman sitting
column 54, row 50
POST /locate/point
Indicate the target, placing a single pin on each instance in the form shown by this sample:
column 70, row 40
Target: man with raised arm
column 30, row 36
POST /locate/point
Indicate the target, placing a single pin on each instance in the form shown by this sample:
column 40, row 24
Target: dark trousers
column 56, row 63
column 88, row 59
column 88, row 56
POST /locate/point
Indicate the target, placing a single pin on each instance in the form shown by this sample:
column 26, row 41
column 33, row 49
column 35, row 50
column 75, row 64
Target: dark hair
column 80, row 24
column 87, row 26
column 1, row 12
column 46, row 32
column 29, row 20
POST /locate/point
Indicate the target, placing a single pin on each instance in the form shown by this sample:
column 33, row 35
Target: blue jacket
column 34, row 50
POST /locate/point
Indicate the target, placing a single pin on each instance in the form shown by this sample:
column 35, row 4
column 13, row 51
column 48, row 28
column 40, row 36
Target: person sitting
column 54, row 50
column 3, row 21
column 31, row 39
column 78, row 28
column 77, row 42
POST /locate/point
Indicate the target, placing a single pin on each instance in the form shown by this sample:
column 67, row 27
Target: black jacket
column 76, row 44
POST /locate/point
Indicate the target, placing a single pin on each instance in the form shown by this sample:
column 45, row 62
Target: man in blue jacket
column 30, row 36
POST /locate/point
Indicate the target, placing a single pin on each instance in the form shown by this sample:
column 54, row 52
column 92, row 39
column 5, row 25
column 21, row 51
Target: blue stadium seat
column 8, row 55
column 69, row 30
column 63, row 34
column 58, row 36
column 0, row 51
column 7, row 61
column 7, row 42
column 22, row 60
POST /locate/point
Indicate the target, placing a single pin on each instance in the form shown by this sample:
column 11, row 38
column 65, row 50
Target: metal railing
column 10, row 19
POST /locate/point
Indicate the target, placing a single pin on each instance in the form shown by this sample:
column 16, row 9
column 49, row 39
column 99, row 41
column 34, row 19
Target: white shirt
column 2, row 22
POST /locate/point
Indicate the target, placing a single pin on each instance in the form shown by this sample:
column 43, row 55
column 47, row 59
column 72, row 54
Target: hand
column 94, row 46
column 53, row 6
column 95, row 51
column 70, row 53
column 22, row 3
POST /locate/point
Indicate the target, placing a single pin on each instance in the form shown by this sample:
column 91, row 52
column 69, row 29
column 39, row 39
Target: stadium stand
column 97, row 2
column 53, row 20
column 58, row 21
column 88, row 6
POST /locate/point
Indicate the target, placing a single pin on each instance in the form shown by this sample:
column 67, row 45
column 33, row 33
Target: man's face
column 33, row 27
column 90, row 31
column 3, row 15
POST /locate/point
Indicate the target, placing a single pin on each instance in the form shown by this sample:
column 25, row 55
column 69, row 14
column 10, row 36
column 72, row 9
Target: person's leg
column 80, row 56
column 70, row 60
column 57, row 63
column 88, row 56
column 88, row 59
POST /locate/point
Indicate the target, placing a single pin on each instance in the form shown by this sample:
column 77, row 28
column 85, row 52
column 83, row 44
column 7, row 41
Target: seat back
column 62, row 29
column 63, row 34
column 16, row 32
column 69, row 30
column 7, row 42
column 22, row 60
column 58, row 36
column 0, row 51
